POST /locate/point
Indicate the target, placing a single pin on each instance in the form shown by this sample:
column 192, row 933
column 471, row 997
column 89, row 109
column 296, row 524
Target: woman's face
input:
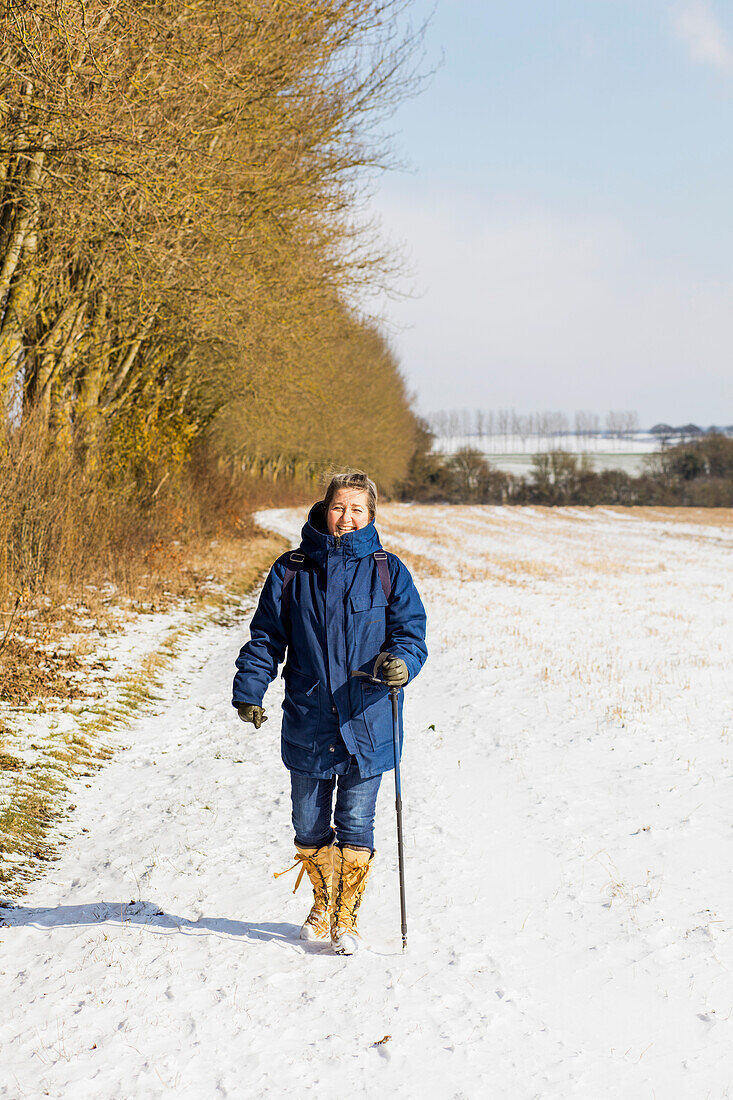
column 348, row 511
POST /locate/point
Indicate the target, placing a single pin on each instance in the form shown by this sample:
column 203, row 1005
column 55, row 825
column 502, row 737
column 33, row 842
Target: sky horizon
column 565, row 215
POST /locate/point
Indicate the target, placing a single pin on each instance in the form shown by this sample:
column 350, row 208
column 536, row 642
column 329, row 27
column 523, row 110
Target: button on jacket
column 336, row 618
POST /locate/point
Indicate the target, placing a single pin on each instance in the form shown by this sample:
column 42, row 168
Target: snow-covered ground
column 568, row 787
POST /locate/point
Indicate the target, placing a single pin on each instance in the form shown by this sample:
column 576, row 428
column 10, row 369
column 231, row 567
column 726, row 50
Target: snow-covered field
column 520, row 464
column 513, row 453
column 568, row 788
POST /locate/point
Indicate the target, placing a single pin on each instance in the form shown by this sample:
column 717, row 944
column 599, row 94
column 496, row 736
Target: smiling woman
column 338, row 604
column 350, row 503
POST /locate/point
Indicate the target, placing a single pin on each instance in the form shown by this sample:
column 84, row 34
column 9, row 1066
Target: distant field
column 521, row 464
column 513, row 454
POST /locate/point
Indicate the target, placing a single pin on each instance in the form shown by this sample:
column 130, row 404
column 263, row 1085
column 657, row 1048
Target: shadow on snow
column 145, row 914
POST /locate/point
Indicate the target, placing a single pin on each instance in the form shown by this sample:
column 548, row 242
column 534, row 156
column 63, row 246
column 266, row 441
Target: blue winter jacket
column 336, row 618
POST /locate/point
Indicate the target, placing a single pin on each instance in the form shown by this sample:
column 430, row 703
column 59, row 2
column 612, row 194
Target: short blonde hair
column 355, row 479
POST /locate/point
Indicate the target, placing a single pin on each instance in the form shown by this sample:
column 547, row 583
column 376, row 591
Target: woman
column 337, row 604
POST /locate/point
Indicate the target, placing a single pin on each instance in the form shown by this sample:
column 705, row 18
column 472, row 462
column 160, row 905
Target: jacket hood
column 316, row 542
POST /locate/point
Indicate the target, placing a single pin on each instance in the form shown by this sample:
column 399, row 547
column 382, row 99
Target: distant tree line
column 502, row 428
column 699, row 473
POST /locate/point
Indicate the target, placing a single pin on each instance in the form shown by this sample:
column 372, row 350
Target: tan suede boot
column 318, row 864
column 350, row 872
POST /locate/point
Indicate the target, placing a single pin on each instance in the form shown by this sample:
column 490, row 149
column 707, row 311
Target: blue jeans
column 356, row 802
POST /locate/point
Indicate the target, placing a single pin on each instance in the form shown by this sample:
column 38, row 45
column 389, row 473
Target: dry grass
column 417, row 563
column 706, row 517
column 31, row 672
column 615, row 567
column 10, row 763
column 233, row 564
column 71, row 536
column 52, row 654
column 510, row 571
column 37, row 799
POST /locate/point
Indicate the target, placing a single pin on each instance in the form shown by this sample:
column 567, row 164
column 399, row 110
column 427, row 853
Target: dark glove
column 248, row 712
column 392, row 670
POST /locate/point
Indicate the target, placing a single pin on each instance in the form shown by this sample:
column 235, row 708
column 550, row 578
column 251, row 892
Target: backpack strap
column 295, row 561
column 381, row 560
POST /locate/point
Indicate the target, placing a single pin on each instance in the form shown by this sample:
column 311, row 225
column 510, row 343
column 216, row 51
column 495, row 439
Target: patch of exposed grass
column 31, row 672
column 418, row 564
column 9, row 763
column 511, row 571
column 705, row 517
column 37, row 800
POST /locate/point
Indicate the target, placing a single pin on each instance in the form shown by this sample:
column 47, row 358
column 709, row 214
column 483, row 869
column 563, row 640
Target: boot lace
column 350, row 882
column 307, row 863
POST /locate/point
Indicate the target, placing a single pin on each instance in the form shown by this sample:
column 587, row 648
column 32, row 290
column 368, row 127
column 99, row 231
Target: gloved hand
column 392, row 670
column 248, row 712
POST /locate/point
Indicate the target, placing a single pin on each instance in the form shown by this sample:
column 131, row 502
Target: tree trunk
column 115, row 390
column 23, row 221
column 96, row 367
column 14, row 320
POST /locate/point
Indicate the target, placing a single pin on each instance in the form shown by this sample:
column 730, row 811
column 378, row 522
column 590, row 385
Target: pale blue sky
column 569, row 210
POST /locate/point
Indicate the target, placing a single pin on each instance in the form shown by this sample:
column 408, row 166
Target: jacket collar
column 316, row 542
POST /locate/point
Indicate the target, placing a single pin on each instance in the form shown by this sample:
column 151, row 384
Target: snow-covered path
column 568, row 784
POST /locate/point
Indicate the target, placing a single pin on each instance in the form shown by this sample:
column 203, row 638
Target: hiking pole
column 394, row 695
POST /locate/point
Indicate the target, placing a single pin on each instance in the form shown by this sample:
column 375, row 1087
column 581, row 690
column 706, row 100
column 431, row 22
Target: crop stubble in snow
column 569, row 842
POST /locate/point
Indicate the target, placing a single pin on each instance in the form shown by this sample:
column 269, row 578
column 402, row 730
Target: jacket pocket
column 367, row 601
column 301, row 708
column 377, row 714
column 368, row 618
